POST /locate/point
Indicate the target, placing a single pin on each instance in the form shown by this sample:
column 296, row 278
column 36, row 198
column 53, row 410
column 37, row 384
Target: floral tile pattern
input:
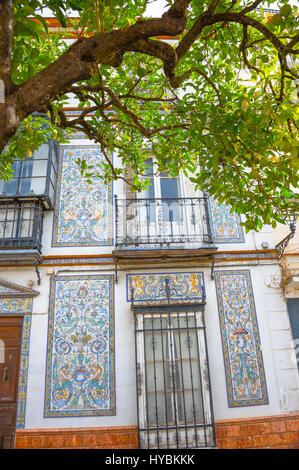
column 80, row 357
column 225, row 225
column 153, row 287
column 245, row 376
column 83, row 211
column 15, row 305
column 23, row 374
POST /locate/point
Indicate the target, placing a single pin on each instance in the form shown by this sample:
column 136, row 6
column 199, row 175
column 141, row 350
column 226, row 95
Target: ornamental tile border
column 8, row 252
column 80, row 376
column 150, row 287
column 77, row 261
column 244, row 369
column 83, row 212
column 224, row 256
column 23, row 375
column 225, row 226
column 10, row 290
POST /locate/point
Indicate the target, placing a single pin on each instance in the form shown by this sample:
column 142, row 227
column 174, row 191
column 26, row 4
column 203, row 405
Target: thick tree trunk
column 6, row 39
column 9, row 122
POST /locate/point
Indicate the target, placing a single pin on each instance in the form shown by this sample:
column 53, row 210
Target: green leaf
column 276, row 19
column 285, row 10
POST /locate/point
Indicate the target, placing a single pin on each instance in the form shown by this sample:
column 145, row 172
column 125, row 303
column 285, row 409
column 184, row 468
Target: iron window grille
column 21, row 224
column 172, row 376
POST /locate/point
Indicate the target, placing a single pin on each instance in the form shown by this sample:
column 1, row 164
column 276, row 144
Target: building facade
column 129, row 321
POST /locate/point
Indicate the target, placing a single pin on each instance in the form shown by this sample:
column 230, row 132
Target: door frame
column 10, row 320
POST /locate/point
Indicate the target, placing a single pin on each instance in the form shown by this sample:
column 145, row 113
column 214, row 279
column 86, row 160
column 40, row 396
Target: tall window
column 33, row 176
column 293, row 309
column 162, row 188
column 175, row 408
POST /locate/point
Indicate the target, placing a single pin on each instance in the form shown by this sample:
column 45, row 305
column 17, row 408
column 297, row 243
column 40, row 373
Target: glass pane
column 149, row 192
column 189, row 406
column 149, row 170
column 153, row 346
column 146, row 209
column 186, row 343
column 38, row 185
column 160, row 409
column 155, row 322
column 8, row 222
column 10, row 187
column 183, row 321
column 51, row 192
column 42, row 152
column 27, row 166
column 29, row 220
column 25, row 186
column 40, row 168
column 53, row 174
column 171, row 209
column 169, row 188
column 55, row 157
column 16, row 167
column 158, row 376
column 187, row 374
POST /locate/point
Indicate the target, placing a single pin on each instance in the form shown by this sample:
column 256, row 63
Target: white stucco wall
column 280, row 366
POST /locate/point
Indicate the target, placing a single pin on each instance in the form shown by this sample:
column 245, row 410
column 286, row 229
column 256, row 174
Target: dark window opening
column 173, row 387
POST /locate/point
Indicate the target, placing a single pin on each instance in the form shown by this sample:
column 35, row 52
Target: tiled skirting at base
column 267, row 432
column 124, row 437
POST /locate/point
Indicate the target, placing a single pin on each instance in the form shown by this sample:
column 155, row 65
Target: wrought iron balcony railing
column 158, row 223
column 21, row 224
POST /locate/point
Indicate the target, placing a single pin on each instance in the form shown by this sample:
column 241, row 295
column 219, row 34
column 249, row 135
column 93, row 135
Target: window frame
column 180, row 434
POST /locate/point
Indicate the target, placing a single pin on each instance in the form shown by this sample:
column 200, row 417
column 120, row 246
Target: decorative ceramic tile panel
column 152, row 287
column 15, row 305
column 225, row 225
column 245, row 376
column 83, row 211
column 23, row 374
column 80, row 357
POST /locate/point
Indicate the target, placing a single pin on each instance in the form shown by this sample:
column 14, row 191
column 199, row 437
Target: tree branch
column 243, row 47
column 79, row 63
column 251, row 7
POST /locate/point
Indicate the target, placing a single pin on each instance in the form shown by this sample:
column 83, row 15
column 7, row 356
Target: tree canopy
column 209, row 88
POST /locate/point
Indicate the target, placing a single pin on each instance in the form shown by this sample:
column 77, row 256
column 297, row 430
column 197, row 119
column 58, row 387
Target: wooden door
column 10, row 343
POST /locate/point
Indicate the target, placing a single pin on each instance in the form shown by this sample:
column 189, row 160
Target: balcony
column 179, row 225
column 21, row 223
